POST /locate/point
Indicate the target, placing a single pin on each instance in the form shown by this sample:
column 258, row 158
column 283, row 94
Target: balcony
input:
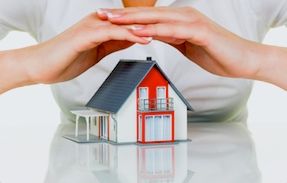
column 164, row 104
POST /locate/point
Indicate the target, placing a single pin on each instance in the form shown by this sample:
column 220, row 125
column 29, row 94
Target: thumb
column 109, row 47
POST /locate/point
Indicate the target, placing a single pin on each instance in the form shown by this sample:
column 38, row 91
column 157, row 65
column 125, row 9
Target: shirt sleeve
column 273, row 13
column 3, row 31
column 21, row 15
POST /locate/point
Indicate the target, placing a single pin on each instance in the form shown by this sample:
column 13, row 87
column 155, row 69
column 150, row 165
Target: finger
column 102, row 14
column 146, row 15
column 170, row 40
column 176, row 43
column 194, row 33
column 112, row 32
column 111, row 47
column 92, row 57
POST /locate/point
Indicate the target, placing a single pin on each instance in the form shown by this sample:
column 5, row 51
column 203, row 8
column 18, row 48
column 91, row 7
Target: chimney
column 149, row 58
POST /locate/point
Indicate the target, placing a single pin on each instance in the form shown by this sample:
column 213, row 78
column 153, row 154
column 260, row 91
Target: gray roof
column 122, row 81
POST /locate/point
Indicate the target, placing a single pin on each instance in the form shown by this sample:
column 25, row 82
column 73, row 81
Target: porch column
column 98, row 118
column 108, row 121
column 88, row 127
column 77, row 126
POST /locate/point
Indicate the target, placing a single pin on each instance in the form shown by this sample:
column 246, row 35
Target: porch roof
column 89, row 113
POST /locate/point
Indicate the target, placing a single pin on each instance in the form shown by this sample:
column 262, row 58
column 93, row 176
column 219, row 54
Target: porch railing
column 164, row 104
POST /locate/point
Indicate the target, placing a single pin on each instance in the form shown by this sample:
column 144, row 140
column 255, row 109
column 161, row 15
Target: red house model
column 137, row 103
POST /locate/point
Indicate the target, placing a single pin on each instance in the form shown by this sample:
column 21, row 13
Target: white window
column 161, row 98
column 158, row 128
column 143, row 96
column 149, row 124
column 167, row 127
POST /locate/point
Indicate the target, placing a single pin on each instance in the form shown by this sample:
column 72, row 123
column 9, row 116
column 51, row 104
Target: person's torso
column 213, row 98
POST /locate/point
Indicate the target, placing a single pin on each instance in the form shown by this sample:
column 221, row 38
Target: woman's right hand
column 65, row 56
column 78, row 48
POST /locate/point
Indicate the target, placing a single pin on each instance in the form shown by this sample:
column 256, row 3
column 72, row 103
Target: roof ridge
column 139, row 61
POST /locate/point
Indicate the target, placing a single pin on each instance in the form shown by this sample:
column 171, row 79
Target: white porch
column 89, row 115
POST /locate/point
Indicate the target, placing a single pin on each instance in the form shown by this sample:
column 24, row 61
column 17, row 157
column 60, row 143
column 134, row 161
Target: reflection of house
column 163, row 164
column 137, row 103
column 225, row 154
column 156, row 164
column 132, row 164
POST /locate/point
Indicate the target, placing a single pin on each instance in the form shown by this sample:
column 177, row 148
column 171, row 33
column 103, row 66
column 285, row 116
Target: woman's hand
column 65, row 56
column 201, row 40
column 81, row 47
column 78, row 48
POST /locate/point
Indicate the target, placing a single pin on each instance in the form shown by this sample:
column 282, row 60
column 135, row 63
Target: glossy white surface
column 218, row 153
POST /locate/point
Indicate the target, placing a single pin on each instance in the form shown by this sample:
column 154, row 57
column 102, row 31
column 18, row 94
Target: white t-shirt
column 214, row 98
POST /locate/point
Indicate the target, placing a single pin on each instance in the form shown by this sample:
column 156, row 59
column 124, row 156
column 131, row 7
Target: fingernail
column 102, row 11
column 137, row 27
column 113, row 15
column 149, row 39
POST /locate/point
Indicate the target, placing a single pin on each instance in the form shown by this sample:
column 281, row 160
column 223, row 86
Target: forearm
column 13, row 71
column 251, row 60
column 273, row 64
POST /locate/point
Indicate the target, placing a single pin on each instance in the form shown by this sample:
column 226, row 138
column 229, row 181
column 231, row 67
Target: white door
column 161, row 98
column 143, row 96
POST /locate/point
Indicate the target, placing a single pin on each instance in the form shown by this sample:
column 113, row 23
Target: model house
column 137, row 103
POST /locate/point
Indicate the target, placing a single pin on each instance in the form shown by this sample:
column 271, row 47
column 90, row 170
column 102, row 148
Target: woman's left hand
column 201, row 40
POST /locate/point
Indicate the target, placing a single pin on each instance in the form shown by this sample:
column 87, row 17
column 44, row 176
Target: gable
column 154, row 78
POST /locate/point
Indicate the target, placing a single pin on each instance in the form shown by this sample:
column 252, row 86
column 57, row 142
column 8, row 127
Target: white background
column 29, row 118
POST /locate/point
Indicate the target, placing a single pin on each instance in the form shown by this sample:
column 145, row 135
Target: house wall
column 180, row 116
column 126, row 119
column 113, row 128
column 152, row 81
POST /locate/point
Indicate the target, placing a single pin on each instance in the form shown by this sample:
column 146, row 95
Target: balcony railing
column 164, row 104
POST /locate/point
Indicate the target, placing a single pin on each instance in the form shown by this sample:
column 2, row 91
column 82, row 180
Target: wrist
column 273, row 65
column 13, row 73
column 47, row 61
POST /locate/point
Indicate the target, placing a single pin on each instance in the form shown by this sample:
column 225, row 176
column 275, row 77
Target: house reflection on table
column 218, row 153
column 131, row 163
